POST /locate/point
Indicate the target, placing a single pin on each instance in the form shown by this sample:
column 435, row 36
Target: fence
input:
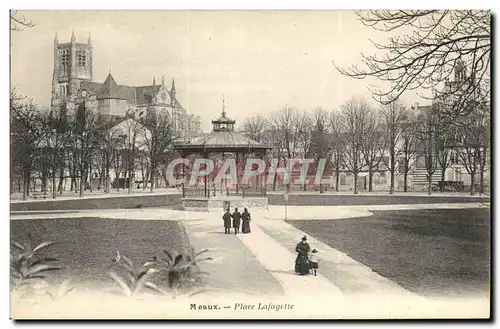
column 209, row 192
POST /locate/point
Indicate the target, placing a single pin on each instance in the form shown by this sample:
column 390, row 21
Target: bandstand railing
column 210, row 192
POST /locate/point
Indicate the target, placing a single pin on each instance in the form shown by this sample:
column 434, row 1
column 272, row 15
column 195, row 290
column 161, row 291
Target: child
column 313, row 261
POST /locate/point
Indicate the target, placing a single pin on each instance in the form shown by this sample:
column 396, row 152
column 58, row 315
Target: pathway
column 265, row 266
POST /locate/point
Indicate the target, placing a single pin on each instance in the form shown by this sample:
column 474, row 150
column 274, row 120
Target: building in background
column 73, row 85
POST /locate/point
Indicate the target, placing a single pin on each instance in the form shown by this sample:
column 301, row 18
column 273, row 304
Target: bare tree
column 85, row 141
column 355, row 113
column 132, row 145
column 474, row 145
column 255, row 127
column 284, row 126
column 27, row 136
column 408, row 152
column 393, row 118
column 337, row 145
column 426, row 127
column 156, row 132
column 445, row 143
column 18, row 22
column 305, row 127
column 320, row 137
column 110, row 141
column 55, row 141
column 372, row 147
column 426, row 53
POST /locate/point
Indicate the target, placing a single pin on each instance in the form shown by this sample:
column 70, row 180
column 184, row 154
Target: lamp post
column 285, row 196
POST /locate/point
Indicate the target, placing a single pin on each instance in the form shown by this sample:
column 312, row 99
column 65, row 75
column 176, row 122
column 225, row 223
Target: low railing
column 209, row 192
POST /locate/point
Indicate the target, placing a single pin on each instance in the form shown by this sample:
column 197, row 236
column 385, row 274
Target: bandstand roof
column 222, row 138
column 222, row 141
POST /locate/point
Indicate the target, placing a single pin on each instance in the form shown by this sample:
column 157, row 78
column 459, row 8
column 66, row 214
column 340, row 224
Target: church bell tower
column 72, row 65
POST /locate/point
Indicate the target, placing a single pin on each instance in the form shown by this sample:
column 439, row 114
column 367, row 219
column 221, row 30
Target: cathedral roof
column 110, row 89
column 92, row 87
column 144, row 94
column 140, row 95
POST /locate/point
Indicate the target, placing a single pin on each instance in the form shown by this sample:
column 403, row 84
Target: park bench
column 37, row 195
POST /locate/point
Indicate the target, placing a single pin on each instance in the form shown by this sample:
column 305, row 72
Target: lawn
column 443, row 252
column 87, row 246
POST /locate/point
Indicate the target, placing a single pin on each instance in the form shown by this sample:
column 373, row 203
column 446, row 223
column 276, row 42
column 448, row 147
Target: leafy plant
column 136, row 278
column 182, row 269
column 63, row 290
column 28, row 269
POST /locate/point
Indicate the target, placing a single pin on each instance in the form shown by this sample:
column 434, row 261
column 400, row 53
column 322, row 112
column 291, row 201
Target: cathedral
column 72, row 85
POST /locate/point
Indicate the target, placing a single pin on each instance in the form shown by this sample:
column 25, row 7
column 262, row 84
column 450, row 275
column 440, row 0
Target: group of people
column 238, row 219
column 306, row 261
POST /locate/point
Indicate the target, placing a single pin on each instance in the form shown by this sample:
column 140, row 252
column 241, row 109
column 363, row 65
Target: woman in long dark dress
column 245, row 217
column 302, row 261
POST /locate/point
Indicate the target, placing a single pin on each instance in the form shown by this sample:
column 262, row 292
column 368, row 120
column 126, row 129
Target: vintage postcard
column 250, row 164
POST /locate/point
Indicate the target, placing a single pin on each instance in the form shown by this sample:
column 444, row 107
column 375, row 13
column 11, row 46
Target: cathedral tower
column 72, row 65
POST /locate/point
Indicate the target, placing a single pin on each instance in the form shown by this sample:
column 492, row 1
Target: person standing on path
column 245, row 225
column 302, row 261
column 236, row 220
column 227, row 222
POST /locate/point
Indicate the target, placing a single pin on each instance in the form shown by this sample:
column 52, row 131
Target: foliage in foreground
column 28, row 268
column 181, row 273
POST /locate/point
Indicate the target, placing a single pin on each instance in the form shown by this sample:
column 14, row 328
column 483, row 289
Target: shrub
column 136, row 278
column 63, row 290
column 28, row 269
column 182, row 271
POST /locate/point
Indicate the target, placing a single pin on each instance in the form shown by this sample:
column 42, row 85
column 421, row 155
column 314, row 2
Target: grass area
column 431, row 252
column 87, row 246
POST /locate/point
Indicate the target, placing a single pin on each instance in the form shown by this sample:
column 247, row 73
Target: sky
column 259, row 60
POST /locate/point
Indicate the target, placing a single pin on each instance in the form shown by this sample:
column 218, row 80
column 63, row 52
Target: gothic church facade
column 72, row 85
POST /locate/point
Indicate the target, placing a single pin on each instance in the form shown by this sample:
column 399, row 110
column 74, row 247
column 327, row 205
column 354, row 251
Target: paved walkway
column 265, row 266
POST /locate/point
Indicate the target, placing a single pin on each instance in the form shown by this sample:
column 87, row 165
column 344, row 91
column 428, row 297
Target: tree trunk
column 472, row 183
column 73, row 177
column 391, row 188
column 152, row 174
column 443, row 173
column 481, row 180
column 143, row 179
column 54, row 189
column 370, row 180
column 130, row 181
column 274, row 181
column 405, row 183
column 429, row 179
column 90, row 175
column 167, row 185
column 28, row 182
column 392, row 161
column 82, row 182
column 43, row 182
column 146, row 181
column 106, row 177
column 337, row 178
column 117, row 180
column 61, row 179
column 25, row 186
column 355, row 183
